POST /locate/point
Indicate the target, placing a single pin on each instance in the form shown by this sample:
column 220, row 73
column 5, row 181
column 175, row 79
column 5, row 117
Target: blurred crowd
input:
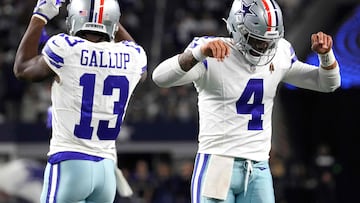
column 162, row 27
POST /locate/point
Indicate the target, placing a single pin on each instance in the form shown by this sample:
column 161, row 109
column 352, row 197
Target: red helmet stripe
column 268, row 14
column 101, row 11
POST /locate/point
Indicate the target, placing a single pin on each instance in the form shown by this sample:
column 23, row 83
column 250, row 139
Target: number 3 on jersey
column 84, row 129
column 256, row 109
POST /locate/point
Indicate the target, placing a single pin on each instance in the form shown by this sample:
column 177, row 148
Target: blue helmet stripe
column 92, row 5
column 276, row 12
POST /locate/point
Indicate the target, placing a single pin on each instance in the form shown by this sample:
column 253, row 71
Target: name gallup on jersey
column 101, row 59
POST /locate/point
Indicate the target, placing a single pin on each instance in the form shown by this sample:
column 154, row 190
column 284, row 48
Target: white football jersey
column 89, row 101
column 235, row 99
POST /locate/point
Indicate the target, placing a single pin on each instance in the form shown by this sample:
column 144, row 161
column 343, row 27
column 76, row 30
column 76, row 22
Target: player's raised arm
column 29, row 65
column 122, row 34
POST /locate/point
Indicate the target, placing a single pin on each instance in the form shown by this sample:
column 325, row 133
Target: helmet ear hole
column 243, row 30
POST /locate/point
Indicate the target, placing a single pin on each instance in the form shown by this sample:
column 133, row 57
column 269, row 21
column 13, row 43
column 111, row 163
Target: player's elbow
column 18, row 72
column 159, row 80
column 20, row 69
column 167, row 73
column 330, row 80
column 27, row 74
column 332, row 87
column 159, row 76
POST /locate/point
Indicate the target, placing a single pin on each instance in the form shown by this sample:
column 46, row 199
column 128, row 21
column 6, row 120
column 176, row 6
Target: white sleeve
column 55, row 51
column 169, row 73
column 311, row 77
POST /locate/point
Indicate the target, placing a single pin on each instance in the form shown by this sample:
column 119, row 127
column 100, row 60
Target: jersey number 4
column 255, row 87
column 84, row 129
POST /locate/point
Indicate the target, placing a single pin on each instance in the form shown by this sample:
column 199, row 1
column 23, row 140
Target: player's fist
column 47, row 9
column 321, row 43
column 217, row 49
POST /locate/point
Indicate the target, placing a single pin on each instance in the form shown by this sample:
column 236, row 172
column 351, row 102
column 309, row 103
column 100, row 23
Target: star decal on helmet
column 246, row 10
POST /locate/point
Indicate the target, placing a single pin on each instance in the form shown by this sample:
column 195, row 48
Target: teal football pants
column 79, row 181
column 256, row 188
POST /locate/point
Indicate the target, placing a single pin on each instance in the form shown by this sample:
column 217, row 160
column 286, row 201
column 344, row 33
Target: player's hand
column 321, row 43
column 47, row 9
column 217, row 49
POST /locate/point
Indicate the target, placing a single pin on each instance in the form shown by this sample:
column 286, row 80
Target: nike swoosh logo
column 54, row 43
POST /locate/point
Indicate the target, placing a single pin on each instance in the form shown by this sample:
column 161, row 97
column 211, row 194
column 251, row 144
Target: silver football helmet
column 100, row 16
column 256, row 26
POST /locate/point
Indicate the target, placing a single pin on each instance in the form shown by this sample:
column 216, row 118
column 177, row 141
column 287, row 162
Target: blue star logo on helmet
column 246, row 10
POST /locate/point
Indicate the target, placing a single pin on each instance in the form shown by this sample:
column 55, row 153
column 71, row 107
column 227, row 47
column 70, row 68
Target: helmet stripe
column 96, row 11
column 101, row 11
column 275, row 13
column 267, row 8
column 272, row 14
column 91, row 14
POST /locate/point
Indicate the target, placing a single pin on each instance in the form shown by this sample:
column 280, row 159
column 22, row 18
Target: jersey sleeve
column 292, row 54
column 54, row 52
column 287, row 52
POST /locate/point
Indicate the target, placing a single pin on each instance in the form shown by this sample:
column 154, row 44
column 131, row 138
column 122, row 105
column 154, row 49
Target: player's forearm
column 329, row 71
column 168, row 72
column 187, row 61
column 330, row 79
column 28, row 47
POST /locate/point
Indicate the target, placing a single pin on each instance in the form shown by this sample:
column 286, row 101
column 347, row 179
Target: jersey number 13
column 84, row 129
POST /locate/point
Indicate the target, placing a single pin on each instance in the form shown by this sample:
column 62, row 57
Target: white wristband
column 196, row 52
column 327, row 59
column 40, row 17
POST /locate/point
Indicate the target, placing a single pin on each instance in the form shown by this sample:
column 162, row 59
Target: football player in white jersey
column 94, row 77
column 236, row 79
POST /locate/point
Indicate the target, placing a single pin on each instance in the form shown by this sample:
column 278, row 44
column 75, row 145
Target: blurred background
column 314, row 157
